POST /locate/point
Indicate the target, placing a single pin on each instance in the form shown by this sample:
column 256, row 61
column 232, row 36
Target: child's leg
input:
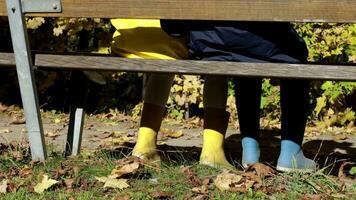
column 248, row 100
column 155, row 99
column 295, row 107
column 215, row 122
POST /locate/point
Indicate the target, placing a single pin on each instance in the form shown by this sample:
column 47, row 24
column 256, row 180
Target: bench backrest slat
column 251, row 10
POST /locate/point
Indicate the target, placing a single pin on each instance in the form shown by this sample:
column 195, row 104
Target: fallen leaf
column 252, row 176
column 52, row 133
column 69, row 183
column 161, row 195
column 193, row 179
column 17, row 155
column 261, row 169
column 60, row 171
column 3, row 107
column 225, row 180
column 25, row 172
column 126, row 169
column 119, row 197
column 201, row 190
column 171, row 133
column 3, row 187
column 11, row 187
column 17, row 120
column 44, row 184
column 110, row 182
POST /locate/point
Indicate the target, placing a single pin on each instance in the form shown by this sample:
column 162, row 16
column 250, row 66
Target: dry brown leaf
column 201, row 190
column 126, row 169
column 161, row 195
column 17, row 155
column 226, row 180
column 69, row 183
column 171, row 133
column 52, row 133
column 17, row 120
column 60, row 171
column 261, row 169
column 3, row 107
column 119, row 197
column 193, row 179
column 11, row 187
column 206, row 182
column 252, row 176
column 25, row 172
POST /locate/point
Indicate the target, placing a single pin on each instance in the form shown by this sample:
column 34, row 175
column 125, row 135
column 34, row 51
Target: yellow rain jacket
column 143, row 38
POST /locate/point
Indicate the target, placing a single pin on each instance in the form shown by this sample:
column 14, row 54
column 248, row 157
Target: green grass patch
column 76, row 180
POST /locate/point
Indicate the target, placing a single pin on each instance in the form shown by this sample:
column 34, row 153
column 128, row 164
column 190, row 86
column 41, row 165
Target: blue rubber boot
column 250, row 151
column 292, row 159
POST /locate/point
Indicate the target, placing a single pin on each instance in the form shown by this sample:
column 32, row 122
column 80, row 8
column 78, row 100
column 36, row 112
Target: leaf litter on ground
column 171, row 133
column 242, row 182
column 124, row 167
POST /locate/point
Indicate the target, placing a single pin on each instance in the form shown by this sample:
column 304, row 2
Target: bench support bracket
column 39, row 6
column 26, row 79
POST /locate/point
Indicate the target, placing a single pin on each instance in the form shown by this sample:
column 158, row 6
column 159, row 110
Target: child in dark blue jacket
column 249, row 42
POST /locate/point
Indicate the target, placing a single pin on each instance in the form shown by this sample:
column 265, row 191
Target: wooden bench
column 340, row 11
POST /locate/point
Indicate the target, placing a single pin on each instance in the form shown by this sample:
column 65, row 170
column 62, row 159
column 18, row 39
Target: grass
column 167, row 178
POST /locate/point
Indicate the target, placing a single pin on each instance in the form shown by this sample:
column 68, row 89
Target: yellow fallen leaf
column 44, row 184
column 110, row 182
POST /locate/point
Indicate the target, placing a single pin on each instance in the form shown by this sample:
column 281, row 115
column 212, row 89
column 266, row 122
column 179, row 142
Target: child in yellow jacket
column 142, row 38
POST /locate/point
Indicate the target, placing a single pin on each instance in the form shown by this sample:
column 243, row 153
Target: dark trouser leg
column 248, row 101
column 295, row 107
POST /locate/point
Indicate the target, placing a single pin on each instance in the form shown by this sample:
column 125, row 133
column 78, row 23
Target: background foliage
column 333, row 103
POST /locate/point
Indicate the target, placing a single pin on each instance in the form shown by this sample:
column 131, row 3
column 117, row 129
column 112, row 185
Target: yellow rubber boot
column 213, row 153
column 146, row 147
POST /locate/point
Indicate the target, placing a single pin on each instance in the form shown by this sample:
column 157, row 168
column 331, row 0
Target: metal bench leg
column 25, row 75
column 77, row 99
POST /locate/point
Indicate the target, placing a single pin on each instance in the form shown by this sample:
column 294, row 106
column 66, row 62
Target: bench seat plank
column 7, row 59
column 251, row 10
column 273, row 70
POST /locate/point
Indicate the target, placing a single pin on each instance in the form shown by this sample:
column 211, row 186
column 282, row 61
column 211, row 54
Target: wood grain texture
column 273, row 70
column 251, row 10
column 7, row 59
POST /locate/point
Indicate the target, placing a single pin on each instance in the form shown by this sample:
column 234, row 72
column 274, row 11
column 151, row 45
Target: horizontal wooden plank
column 250, row 10
column 7, row 59
column 272, row 70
